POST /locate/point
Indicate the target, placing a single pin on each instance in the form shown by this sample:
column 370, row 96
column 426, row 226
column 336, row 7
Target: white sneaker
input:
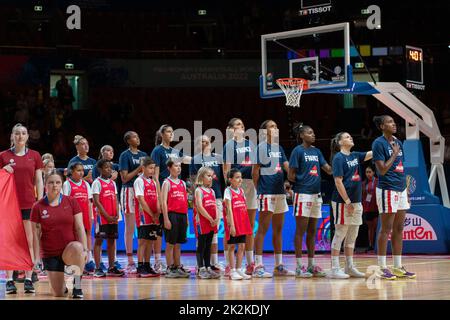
column 244, row 275
column 337, row 273
column 353, row 272
column 301, row 272
column 131, row 268
column 213, row 274
column 281, row 270
column 160, row 267
column 260, row 272
column 235, row 275
column 203, row 273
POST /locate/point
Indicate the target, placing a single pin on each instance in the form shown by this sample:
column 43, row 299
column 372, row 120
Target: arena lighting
column 69, row 66
column 37, row 8
column 202, row 12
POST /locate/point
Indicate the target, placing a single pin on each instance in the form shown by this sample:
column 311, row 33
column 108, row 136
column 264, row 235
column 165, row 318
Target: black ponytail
column 379, row 120
column 298, row 130
column 335, row 147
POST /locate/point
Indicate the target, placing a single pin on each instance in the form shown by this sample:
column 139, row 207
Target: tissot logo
column 305, row 12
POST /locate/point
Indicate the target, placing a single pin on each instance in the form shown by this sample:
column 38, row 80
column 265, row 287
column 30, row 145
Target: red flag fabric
column 14, row 251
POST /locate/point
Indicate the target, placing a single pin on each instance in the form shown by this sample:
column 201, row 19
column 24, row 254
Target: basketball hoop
column 293, row 89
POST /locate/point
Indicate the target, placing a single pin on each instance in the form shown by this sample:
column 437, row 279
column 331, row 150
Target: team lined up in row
column 154, row 198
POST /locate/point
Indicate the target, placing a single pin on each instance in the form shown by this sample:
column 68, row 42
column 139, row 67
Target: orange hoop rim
column 294, row 82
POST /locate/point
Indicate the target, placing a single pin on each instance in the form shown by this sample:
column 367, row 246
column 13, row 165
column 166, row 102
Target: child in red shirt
column 80, row 189
column 174, row 205
column 206, row 219
column 237, row 223
column 147, row 208
column 104, row 191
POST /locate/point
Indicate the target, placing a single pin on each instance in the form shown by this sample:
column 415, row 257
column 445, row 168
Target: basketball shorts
column 390, row 201
column 54, row 264
column 107, row 231
column 149, row 231
column 308, row 205
column 250, row 194
column 26, row 213
column 341, row 215
column 237, row 240
column 274, row 203
column 370, row 216
column 178, row 233
column 127, row 201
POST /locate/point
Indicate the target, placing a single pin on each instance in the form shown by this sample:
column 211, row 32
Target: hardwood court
column 433, row 282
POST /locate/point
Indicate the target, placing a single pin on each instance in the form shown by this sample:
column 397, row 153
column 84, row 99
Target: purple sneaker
column 386, row 274
column 402, row 273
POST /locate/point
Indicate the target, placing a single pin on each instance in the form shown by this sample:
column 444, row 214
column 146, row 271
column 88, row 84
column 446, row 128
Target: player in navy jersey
column 346, row 203
column 392, row 196
column 240, row 153
column 160, row 154
column 304, row 170
column 163, row 151
column 88, row 163
column 130, row 168
column 107, row 153
column 204, row 157
column 268, row 176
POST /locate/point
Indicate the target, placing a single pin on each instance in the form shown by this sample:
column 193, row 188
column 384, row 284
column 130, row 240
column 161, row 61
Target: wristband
column 348, row 201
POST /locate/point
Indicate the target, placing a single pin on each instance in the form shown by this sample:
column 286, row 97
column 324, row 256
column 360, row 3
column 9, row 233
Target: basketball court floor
column 432, row 283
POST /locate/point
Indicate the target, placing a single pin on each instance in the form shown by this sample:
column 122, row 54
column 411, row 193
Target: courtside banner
column 14, row 252
column 323, row 234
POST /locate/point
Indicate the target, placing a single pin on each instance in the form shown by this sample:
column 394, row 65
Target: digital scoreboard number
column 414, row 68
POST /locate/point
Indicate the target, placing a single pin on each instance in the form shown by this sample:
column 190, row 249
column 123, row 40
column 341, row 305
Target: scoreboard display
column 414, row 68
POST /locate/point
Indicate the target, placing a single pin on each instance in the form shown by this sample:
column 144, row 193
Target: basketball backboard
column 319, row 54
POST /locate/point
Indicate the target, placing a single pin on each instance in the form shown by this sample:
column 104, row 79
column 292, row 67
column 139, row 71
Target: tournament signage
column 309, row 7
column 414, row 68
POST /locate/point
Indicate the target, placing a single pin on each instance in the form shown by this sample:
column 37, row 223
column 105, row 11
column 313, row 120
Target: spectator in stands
column 64, row 93
column 22, row 114
column 370, row 208
column 59, row 146
column 35, row 135
column 367, row 129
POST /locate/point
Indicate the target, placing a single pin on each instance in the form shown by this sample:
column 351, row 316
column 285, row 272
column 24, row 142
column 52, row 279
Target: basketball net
column 293, row 89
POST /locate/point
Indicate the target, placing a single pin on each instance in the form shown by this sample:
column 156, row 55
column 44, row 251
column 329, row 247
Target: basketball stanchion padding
column 293, row 89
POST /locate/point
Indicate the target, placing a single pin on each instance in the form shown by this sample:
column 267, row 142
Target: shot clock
column 414, row 68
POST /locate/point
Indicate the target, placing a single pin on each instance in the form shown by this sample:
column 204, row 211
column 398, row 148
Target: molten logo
column 417, row 228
